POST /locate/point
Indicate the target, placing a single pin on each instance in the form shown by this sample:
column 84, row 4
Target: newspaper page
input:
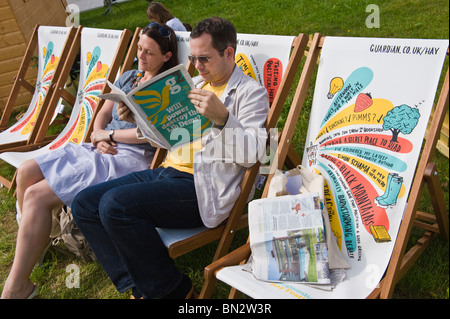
column 162, row 109
column 287, row 239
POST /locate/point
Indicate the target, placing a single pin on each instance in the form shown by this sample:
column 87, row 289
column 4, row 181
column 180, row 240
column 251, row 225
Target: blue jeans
column 119, row 220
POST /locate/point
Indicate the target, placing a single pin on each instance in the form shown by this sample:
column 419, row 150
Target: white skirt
column 74, row 167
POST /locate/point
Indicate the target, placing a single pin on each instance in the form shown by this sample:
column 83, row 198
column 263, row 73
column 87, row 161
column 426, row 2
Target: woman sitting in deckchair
column 55, row 178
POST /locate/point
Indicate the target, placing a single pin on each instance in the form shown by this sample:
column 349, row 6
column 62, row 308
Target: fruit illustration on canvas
column 363, row 101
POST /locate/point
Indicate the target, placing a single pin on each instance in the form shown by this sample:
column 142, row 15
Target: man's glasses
column 202, row 59
column 163, row 31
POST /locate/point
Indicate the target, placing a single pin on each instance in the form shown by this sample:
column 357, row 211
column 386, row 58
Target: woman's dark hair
column 221, row 30
column 167, row 43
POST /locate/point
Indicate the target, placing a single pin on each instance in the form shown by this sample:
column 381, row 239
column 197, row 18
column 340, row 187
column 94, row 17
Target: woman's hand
column 106, row 147
column 124, row 112
column 98, row 136
column 100, row 139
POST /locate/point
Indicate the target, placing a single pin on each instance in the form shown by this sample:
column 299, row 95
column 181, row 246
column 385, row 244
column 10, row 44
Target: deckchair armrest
column 233, row 258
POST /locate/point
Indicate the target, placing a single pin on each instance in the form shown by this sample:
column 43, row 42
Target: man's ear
column 229, row 53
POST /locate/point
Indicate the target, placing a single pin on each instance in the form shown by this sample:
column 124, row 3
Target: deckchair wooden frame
column 38, row 136
column 426, row 174
column 226, row 231
column 127, row 37
column 59, row 92
column 20, row 81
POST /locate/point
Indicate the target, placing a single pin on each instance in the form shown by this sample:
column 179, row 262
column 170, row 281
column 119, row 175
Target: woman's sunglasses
column 163, row 31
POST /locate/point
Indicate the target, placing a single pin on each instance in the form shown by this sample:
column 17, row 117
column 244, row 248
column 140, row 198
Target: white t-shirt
column 176, row 24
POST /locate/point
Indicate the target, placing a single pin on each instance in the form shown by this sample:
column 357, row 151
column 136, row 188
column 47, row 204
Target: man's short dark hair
column 221, row 30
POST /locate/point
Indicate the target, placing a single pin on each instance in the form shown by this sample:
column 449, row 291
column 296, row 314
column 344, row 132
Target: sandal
column 34, row 293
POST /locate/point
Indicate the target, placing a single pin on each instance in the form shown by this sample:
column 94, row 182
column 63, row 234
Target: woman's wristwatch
column 111, row 133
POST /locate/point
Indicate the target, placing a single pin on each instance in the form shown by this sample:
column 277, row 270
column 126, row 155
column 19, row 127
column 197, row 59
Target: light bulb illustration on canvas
column 336, row 85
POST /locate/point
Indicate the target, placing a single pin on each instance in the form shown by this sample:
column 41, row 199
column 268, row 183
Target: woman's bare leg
column 28, row 173
column 32, row 238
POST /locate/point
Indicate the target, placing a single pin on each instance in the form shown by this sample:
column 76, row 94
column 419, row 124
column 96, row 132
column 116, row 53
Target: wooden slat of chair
column 113, row 71
column 20, row 80
column 426, row 173
column 38, row 136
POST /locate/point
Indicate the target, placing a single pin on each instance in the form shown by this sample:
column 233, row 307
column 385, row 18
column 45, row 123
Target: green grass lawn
column 427, row 279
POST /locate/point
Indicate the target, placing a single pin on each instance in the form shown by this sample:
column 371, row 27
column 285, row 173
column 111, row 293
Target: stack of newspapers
column 287, row 239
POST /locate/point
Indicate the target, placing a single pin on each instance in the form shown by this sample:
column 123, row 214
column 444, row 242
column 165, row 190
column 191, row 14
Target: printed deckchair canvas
column 98, row 49
column 264, row 57
column 372, row 101
column 52, row 48
column 366, row 139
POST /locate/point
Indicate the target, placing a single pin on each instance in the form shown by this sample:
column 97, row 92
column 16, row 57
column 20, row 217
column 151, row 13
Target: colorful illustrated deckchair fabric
column 50, row 45
column 365, row 135
column 98, row 49
column 264, row 58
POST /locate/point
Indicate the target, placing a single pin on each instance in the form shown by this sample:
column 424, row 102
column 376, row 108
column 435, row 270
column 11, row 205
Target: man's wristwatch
column 111, row 133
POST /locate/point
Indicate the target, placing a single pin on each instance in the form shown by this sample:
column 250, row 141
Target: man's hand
column 209, row 105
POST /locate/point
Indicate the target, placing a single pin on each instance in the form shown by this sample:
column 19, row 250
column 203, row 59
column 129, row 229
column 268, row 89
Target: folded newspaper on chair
column 287, row 239
column 162, row 109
